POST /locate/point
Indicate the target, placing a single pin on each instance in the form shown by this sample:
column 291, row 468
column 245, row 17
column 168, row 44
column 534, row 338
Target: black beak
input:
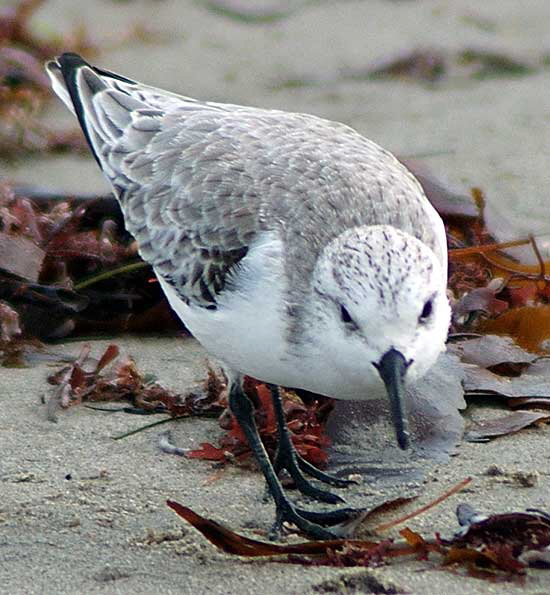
column 392, row 368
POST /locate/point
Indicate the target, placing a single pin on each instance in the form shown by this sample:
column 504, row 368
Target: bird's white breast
column 247, row 330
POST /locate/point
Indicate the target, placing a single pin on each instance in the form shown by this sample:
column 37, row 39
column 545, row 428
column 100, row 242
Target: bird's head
column 379, row 305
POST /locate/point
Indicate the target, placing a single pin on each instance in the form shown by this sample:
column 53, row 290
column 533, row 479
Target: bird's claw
column 286, row 512
column 288, row 459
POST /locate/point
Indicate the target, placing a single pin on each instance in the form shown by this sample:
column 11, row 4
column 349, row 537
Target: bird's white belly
column 248, row 332
column 250, row 339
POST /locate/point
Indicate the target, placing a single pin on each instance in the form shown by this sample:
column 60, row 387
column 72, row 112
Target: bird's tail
column 77, row 83
column 118, row 116
column 53, row 68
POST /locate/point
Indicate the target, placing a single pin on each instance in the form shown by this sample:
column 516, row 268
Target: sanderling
column 293, row 248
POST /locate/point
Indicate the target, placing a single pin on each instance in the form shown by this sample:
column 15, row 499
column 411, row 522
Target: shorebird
column 293, row 248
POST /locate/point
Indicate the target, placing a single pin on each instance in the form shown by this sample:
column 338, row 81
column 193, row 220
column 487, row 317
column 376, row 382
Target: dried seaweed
column 24, row 86
column 90, row 379
column 501, row 541
column 114, row 378
column 16, row 351
column 483, row 63
column 305, row 422
column 507, row 424
column 425, row 65
column 69, row 266
column 499, row 546
column 15, row 30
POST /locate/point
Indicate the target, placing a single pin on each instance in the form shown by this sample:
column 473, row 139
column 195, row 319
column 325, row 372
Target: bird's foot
column 287, row 458
column 304, row 485
column 327, row 478
column 310, row 522
column 332, row 517
column 286, row 512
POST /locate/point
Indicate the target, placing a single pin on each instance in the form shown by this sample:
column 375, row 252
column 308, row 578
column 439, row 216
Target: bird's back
column 199, row 181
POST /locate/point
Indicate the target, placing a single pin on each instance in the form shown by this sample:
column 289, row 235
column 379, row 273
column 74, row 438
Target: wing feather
column 152, row 147
column 198, row 181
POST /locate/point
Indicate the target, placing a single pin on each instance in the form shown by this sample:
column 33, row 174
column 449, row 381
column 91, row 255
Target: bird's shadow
column 363, row 440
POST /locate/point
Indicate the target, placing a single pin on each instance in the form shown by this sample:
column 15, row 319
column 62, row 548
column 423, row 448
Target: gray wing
column 197, row 181
column 177, row 174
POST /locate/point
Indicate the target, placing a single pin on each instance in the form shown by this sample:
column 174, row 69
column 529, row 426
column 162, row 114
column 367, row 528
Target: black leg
column 287, row 458
column 306, row 521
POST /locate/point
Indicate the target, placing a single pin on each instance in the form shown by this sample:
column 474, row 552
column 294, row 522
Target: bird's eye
column 426, row 311
column 346, row 317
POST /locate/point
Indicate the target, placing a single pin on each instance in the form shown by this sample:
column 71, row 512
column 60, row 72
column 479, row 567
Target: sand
column 82, row 513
